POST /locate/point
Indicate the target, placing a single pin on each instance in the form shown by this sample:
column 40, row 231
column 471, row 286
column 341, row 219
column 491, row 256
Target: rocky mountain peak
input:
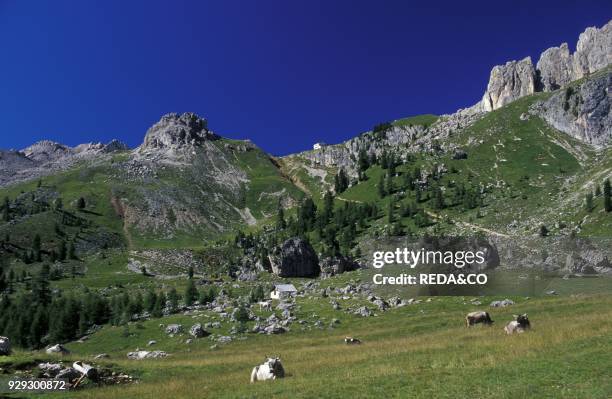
column 174, row 131
column 46, row 150
column 508, row 83
column 556, row 68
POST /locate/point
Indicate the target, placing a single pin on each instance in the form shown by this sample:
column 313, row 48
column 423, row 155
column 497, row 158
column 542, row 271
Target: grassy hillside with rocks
column 152, row 263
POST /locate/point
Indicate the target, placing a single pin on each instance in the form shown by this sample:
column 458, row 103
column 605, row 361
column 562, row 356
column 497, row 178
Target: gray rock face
column 509, row 82
column 339, row 264
column 295, row 258
column 582, row 112
column 556, row 68
column 593, row 51
column 5, row 346
column 175, row 131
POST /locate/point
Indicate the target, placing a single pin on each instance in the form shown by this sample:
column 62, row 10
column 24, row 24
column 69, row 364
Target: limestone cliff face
column 176, row 132
column 582, row 111
column 509, row 82
column 556, row 68
column 593, row 51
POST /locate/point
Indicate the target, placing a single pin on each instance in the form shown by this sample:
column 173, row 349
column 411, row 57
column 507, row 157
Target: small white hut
column 282, row 291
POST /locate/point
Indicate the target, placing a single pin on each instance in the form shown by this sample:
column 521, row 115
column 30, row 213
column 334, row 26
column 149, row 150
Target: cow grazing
column 518, row 325
column 351, row 341
column 271, row 369
column 478, row 317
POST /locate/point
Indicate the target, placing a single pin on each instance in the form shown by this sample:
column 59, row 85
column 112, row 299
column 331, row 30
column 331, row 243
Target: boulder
column 197, row 331
column 460, row 154
column 68, row 373
column 174, row 329
column 363, row 312
column 101, row 356
column 50, row 370
column 295, row 258
column 331, row 266
column 57, row 348
column 275, row 329
column 139, row 355
column 5, row 346
column 502, row 304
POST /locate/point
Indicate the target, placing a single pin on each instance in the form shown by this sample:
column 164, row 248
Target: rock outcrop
column 174, row 132
column 336, row 265
column 57, row 348
column 581, row 111
column 509, row 82
column 556, row 68
column 139, row 355
column 295, row 258
column 5, row 346
column 593, row 51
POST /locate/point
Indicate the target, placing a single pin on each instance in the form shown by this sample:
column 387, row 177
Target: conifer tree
column 173, row 299
column 149, row 300
column 191, row 293
column 71, row 251
column 588, row 202
column 62, row 252
column 606, row 195
column 281, row 224
column 36, row 248
column 381, row 187
column 6, row 210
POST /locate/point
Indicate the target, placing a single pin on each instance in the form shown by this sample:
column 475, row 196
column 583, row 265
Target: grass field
column 567, row 354
column 421, row 350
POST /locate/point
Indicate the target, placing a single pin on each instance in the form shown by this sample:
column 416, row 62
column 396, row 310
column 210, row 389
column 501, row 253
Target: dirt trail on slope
column 471, row 225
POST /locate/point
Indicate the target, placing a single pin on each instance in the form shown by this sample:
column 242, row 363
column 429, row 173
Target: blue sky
column 283, row 73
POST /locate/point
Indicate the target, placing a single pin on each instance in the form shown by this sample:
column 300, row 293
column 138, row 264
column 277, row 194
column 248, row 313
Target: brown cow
column 478, row 317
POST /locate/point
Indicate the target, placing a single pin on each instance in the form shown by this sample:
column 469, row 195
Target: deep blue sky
column 283, row 73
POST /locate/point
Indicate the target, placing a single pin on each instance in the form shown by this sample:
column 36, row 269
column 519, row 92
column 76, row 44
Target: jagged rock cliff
column 509, row 82
column 555, row 69
column 582, row 111
column 175, row 132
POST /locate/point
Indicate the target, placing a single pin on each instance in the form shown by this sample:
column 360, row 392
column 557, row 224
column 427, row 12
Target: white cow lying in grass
column 271, row 369
column 518, row 325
